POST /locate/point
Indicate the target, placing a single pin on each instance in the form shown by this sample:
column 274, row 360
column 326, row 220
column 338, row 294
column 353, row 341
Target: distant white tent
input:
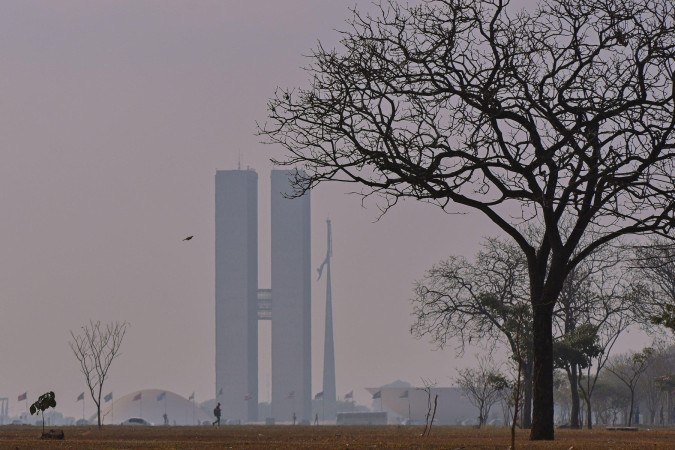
column 151, row 405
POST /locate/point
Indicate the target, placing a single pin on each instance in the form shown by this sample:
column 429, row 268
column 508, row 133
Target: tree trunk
column 481, row 410
column 573, row 378
column 526, row 413
column 630, row 410
column 98, row 411
column 589, row 414
column 542, row 408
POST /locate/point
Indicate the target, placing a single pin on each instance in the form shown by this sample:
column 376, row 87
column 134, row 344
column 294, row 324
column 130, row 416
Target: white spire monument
column 329, row 395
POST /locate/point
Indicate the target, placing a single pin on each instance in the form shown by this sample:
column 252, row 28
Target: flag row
column 162, row 395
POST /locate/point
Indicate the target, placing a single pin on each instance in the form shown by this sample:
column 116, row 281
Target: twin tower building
column 240, row 303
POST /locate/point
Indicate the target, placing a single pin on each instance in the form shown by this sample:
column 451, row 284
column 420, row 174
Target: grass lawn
column 325, row 437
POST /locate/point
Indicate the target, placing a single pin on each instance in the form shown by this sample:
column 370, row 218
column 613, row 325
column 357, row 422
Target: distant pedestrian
column 166, row 419
column 294, row 418
column 216, row 412
column 316, row 419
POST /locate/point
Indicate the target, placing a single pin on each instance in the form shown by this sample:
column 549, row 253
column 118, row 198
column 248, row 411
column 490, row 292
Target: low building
column 412, row 404
column 362, row 418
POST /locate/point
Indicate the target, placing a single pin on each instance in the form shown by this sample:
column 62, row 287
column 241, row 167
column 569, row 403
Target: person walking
column 216, row 412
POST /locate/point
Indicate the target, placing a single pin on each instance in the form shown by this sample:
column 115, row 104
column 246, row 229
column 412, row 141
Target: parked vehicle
column 136, row 421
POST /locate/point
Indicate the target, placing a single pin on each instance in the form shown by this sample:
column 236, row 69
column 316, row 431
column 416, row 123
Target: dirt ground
column 325, row 437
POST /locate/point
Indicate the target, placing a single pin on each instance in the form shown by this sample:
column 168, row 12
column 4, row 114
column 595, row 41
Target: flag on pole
column 137, row 396
column 291, row 395
column 404, row 394
column 349, row 395
column 248, row 397
column 80, row 397
column 378, row 394
column 318, row 395
column 161, row 396
column 192, row 396
column 23, row 396
column 108, row 397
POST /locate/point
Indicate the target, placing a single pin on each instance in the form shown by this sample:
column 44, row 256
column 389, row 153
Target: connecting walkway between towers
column 264, row 304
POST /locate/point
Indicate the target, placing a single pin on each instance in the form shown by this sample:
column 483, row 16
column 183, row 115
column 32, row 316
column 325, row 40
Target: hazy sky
column 114, row 116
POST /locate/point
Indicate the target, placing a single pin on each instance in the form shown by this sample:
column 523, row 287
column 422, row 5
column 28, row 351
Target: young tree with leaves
column 96, row 347
column 44, row 402
column 650, row 389
column 573, row 353
column 563, row 114
column 484, row 302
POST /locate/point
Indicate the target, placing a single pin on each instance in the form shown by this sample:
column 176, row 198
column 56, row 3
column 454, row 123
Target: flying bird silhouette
column 188, row 238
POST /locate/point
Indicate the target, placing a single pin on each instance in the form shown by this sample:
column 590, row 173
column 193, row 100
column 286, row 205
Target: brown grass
column 325, row 437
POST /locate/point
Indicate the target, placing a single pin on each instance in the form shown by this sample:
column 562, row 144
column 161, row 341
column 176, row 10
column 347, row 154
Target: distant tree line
column 484, row 302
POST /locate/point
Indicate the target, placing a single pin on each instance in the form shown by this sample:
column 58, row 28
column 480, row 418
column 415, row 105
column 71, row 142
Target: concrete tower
column 291, row 302
column 236, row 294
column 329, row 394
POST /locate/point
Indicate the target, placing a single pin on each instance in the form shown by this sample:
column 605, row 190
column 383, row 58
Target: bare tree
column 629, row 368
column 431, row 406
column 656, row 264
column 483, row 387
column 560, row 114
column 667, row 383
column 96, row 348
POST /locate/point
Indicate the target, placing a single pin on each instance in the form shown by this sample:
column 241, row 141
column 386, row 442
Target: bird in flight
column 188, row 238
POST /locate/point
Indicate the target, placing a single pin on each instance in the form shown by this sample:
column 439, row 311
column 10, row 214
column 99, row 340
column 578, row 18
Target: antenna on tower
column 330, row 239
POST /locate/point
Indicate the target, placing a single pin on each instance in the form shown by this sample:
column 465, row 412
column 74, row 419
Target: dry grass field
column 324, row 437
